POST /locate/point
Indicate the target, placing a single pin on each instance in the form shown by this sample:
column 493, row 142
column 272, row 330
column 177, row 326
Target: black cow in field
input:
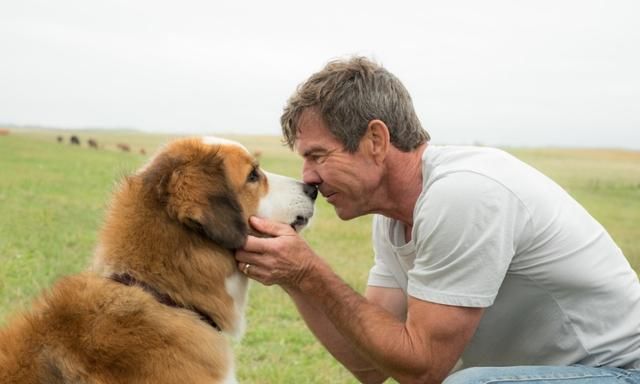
column 60, row 139
column 92, row 143
column 74, row 140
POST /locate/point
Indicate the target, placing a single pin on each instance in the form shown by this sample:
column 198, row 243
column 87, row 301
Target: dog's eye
column 254, row 176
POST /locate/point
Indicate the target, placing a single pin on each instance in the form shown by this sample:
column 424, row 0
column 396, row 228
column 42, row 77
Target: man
column 478, row 257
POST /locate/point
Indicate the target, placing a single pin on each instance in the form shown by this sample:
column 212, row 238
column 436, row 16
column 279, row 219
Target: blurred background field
column 53, row 196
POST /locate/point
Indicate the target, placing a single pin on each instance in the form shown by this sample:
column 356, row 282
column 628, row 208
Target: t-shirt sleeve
column 465, row 231
column 380, row 274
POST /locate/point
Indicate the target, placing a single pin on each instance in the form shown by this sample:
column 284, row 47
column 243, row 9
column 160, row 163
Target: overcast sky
column 516, row 73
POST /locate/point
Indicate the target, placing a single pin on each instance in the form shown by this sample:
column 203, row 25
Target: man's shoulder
column 460, row 158
column 493, row 165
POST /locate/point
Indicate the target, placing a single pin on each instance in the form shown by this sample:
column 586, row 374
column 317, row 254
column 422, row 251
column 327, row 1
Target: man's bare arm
column 422, row 348
column 341, row 349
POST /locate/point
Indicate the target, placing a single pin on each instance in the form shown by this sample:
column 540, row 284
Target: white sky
column 518, row 73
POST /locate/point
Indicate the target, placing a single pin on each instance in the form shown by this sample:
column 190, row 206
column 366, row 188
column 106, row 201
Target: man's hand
column 283, row 259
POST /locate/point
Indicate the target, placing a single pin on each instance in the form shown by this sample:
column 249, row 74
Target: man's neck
column 403, row 184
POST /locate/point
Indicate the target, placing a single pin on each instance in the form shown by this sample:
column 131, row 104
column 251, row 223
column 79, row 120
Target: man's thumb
column 269, row 227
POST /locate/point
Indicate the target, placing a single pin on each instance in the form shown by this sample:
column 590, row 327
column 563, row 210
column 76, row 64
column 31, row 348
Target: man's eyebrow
column 313, row 150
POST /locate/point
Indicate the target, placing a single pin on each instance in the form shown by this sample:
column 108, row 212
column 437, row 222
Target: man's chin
column 344, row 214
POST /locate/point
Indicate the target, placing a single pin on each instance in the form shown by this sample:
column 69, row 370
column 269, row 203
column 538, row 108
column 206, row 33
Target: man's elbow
column 370, row 377
column 422, row 377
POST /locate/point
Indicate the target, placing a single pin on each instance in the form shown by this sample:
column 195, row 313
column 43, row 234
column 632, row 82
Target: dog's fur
column 171, row 229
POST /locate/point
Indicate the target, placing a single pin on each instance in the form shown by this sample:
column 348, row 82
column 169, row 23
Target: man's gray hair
column 348, row 94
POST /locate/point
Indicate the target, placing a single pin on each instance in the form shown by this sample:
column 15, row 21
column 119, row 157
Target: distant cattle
column 92, row 143
column 124, row 147
column 4, row 132
column 74, row 140
column 142, row 151
column 60, row 139
column 257, row 153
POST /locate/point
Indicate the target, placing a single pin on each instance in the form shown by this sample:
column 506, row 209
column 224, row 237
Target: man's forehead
column 313, row 133
column 311, row 140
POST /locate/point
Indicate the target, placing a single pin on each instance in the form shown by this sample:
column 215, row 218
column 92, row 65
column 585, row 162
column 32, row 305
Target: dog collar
column 162, row 298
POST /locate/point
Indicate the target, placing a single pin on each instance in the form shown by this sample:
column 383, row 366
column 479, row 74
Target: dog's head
column 212, row 186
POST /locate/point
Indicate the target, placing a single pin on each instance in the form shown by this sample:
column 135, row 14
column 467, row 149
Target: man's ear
column 378, row 139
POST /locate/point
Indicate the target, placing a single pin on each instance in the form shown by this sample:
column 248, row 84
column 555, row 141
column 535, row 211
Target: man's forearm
column 373, row 332
column 334, row 342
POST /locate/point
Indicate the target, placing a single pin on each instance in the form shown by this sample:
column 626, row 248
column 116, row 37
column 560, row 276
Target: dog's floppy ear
column 195, row 192
column 220, row 219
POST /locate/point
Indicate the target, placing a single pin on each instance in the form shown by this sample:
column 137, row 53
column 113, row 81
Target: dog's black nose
column 310, row 190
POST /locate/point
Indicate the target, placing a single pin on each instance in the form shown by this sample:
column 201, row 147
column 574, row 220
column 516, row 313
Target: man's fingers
column 247, row 256
column 256, row 245
column 269, row 227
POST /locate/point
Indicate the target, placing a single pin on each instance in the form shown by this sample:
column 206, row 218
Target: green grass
column 53, row 197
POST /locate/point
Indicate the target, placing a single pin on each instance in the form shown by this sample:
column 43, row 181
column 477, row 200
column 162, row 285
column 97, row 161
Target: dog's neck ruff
column 163, row 298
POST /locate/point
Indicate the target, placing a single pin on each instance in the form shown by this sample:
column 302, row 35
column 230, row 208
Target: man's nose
column 310, row 190
column 309, row 175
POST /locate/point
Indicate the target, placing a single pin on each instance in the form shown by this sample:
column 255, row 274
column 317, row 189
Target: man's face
column 345, row 179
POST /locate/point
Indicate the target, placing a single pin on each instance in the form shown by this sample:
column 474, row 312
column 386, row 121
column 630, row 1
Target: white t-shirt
column 490, row 231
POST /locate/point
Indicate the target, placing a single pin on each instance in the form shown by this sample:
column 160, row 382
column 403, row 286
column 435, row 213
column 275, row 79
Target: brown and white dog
column 164, row 293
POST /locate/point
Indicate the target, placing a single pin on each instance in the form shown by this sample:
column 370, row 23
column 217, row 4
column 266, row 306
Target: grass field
column 53, row 196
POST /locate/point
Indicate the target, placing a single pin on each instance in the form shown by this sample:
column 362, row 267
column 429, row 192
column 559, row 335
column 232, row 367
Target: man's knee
column 475, row 375
column 542, row 374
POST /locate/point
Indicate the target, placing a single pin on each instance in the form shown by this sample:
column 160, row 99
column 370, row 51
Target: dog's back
column 88, row 329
